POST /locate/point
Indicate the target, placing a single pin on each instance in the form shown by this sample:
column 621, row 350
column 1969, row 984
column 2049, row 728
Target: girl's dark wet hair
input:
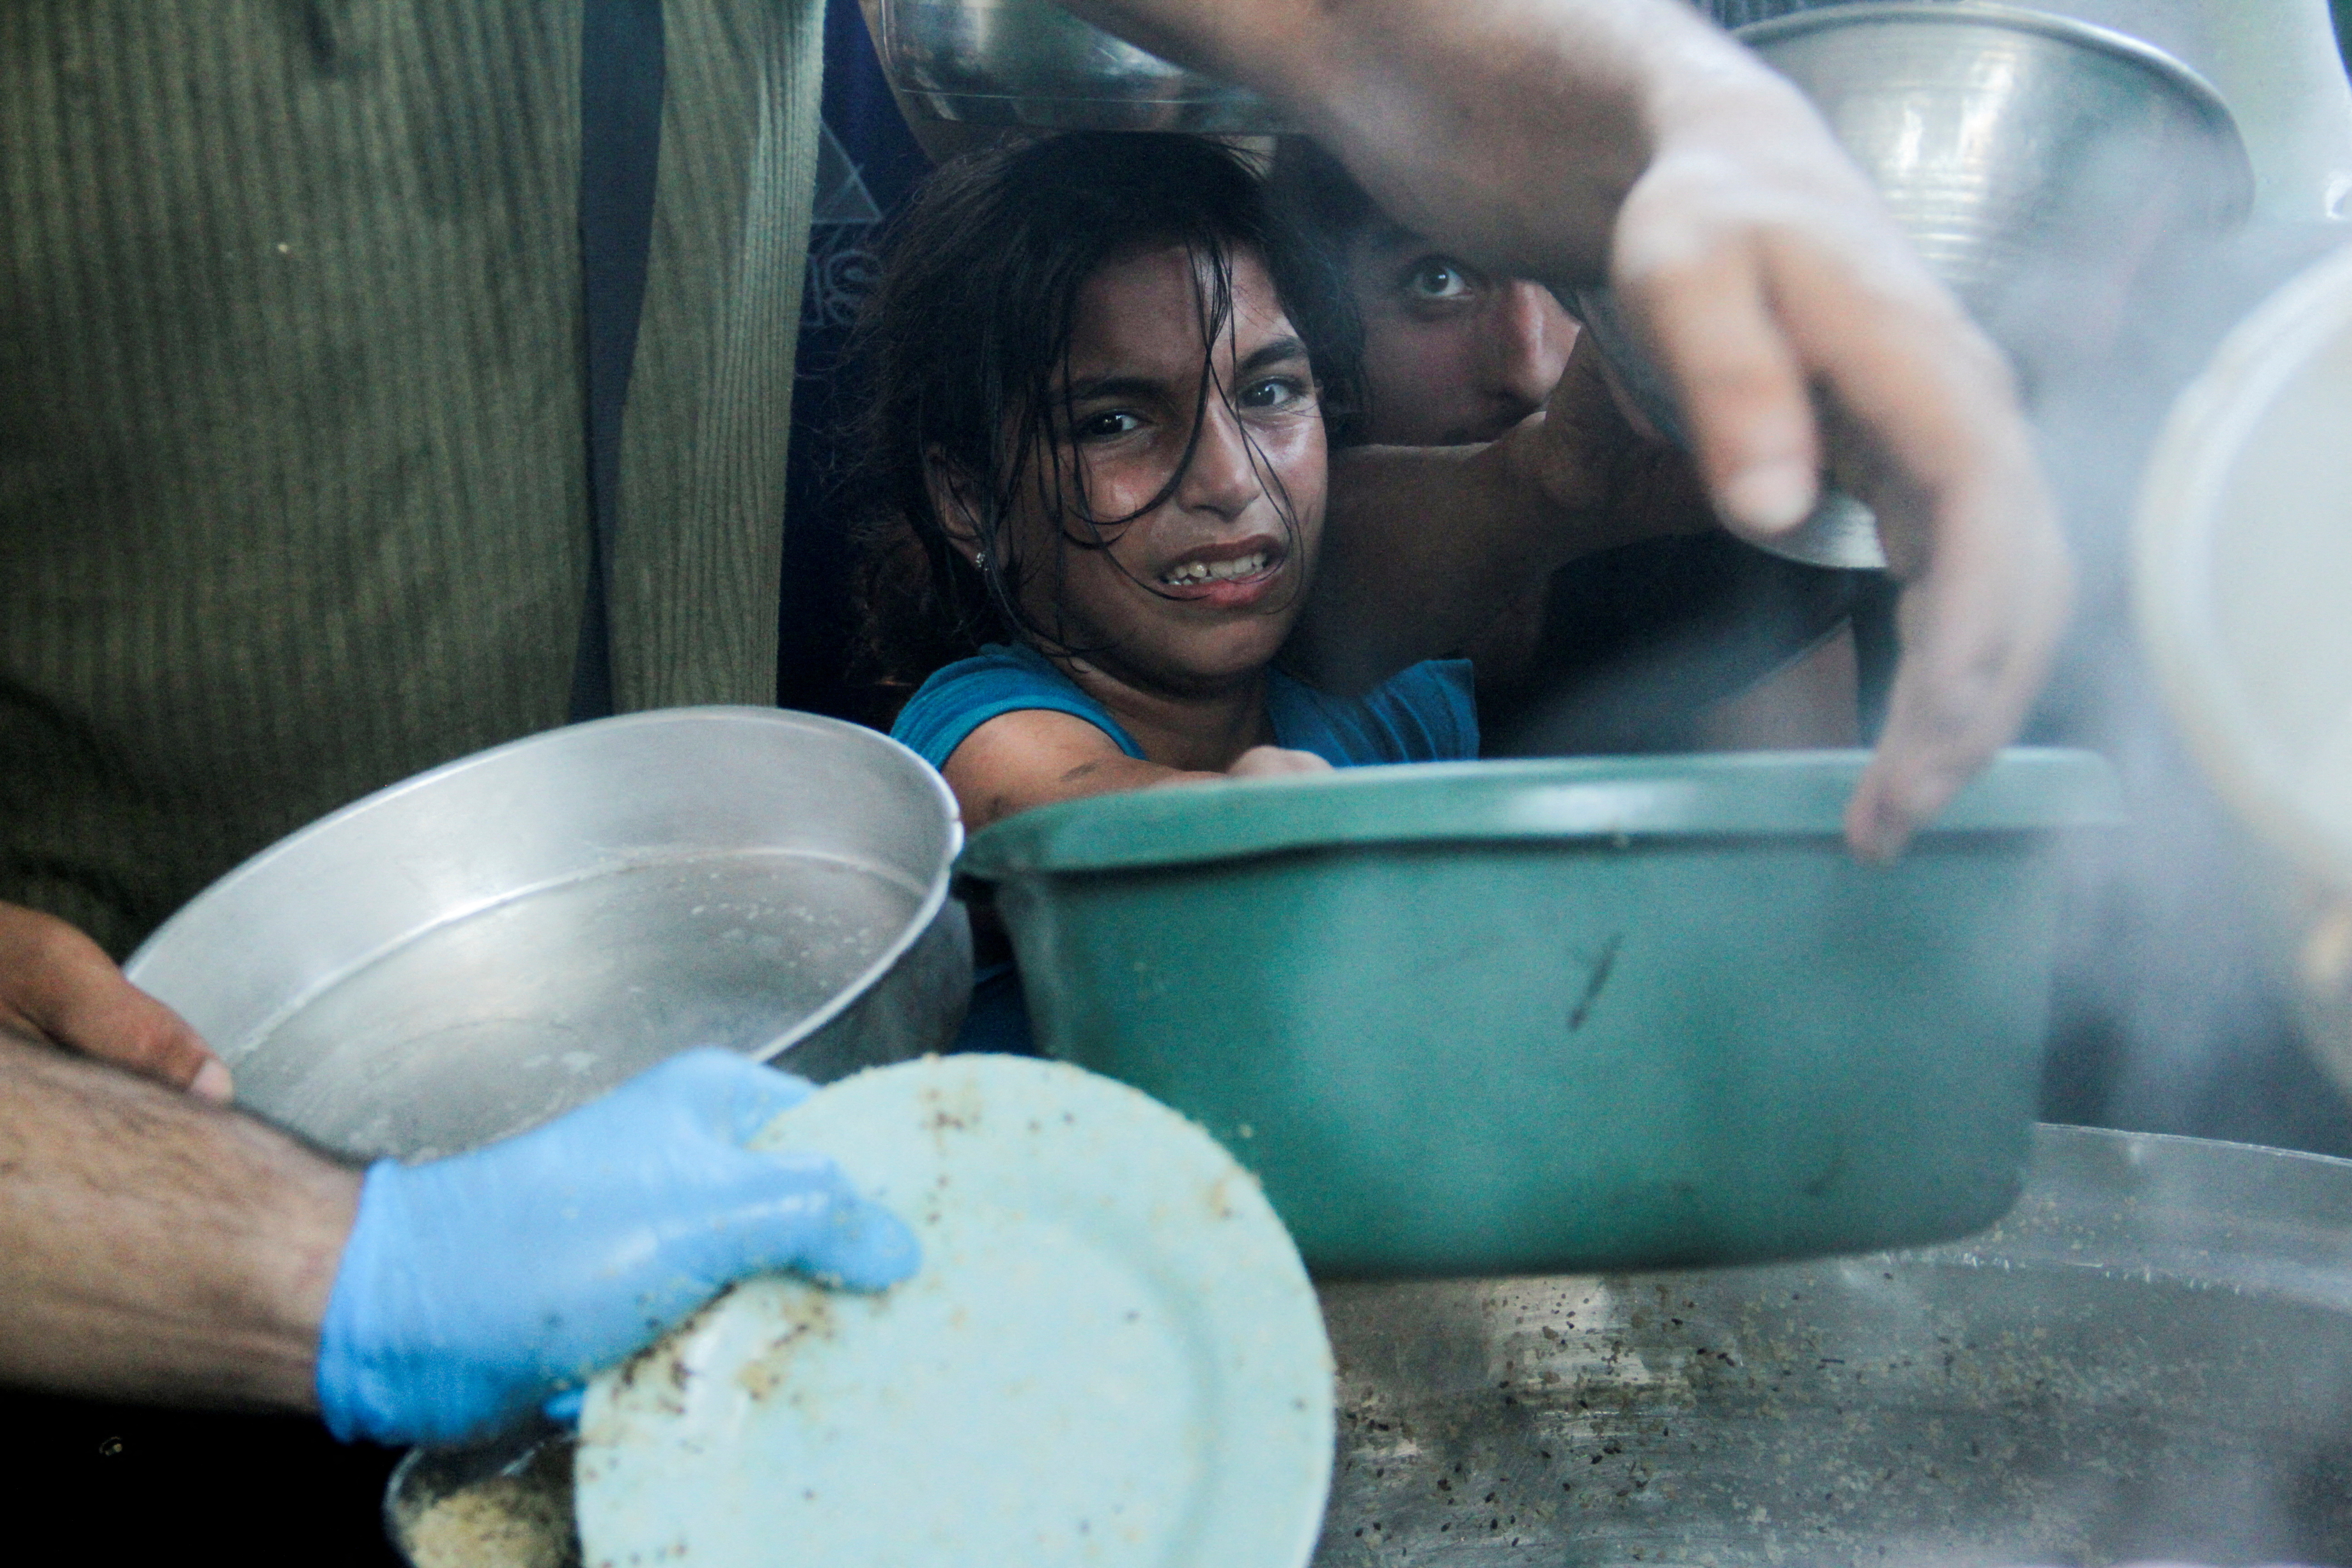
column 964, row 343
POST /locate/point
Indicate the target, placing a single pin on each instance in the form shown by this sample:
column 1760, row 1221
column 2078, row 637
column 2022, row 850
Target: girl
column 1106, row 381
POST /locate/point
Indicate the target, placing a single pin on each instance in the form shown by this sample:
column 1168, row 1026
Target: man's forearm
column 155, row 1248
column 1415, row 545
column 1425, row 546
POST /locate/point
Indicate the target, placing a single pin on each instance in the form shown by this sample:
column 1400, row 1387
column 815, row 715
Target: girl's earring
column 980, row 562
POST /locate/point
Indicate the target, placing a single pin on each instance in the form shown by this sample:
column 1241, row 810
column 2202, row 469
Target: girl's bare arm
column 1036, row 757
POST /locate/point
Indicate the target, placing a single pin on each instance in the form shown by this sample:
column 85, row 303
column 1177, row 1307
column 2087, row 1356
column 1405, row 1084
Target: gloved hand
column 473, row 1289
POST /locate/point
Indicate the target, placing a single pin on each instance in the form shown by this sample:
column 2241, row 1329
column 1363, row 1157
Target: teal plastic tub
column 1575, row 1016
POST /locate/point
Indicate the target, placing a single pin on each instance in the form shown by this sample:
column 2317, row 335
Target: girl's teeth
column 1216, row 571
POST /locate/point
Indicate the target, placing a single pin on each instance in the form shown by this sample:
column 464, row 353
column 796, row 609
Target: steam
column 2172, row 1011
column 2174, row 1014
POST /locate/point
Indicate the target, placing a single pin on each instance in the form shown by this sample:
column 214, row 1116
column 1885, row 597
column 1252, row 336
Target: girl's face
column 1201, row 589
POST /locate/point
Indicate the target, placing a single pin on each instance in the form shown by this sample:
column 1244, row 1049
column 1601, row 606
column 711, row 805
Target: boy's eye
column 1102, row 427
column 1272, row 392
column 1437, row 278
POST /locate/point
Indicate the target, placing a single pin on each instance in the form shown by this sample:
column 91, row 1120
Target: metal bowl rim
column 262, row 861
column 2210, row 103
column 1776, row 798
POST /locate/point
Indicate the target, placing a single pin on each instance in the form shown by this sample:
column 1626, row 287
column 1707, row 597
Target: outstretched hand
column 1803, row 336
column 58, row 987
column 477, row 1288
column 1628, row 142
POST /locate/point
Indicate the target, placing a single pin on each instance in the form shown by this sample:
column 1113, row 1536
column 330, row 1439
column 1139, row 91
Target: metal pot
column 487, row 945
column 2152, row 1356
column 1029, row 62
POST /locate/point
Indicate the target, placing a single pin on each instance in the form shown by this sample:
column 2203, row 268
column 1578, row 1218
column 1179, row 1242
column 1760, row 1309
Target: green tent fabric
column 293, row 495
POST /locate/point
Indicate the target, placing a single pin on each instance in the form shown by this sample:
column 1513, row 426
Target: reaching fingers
column 1806, row 294
column 760, row 1096
column 794, row 1209
column 117, row 1022
column 1977, row 629
column 1930, row 436
column 58, row 985
column 1742, row 390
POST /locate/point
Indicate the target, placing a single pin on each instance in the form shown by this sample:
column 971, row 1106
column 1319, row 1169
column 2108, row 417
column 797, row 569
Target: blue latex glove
column 476, row 1288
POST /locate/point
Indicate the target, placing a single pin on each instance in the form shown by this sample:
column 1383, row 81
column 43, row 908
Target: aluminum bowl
column 1499, row 1017
column 1029, row 62
column 487, row 945
column 2036, row 163
column 2009, row 142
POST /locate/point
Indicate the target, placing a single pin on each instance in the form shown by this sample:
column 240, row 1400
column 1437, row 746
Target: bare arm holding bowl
column 1627, row 140
column 59, row 987
column 158, row 1247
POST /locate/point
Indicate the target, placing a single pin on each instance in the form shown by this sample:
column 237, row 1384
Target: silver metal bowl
column 489, row 944
column 2036, row 163
column 1029, row 62
column 2151, row 1357
column 2010, row 143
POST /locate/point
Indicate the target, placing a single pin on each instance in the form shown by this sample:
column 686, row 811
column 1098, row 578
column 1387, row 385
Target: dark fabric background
column 866, row 167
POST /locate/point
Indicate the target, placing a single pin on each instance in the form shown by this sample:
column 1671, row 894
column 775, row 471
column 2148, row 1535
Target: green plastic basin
column 1574, row 1015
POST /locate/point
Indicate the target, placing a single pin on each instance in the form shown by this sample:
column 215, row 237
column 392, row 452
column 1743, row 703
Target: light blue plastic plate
column 1111, row 1356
